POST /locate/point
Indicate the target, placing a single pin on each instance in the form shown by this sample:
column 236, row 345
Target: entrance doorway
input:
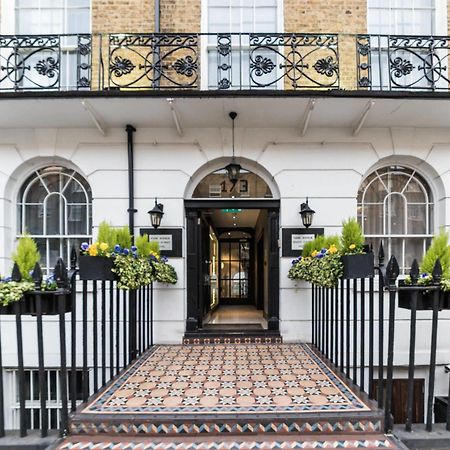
column 232, row 265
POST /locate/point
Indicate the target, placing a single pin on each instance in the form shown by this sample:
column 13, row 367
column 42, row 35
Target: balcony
column 223, row 62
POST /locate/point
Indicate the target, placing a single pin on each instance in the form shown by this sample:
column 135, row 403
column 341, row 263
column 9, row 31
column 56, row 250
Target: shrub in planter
column 357, row 262
column 439, row 249
column 95, row 261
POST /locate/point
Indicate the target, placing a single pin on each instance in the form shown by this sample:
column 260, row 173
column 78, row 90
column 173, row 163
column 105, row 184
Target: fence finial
column 414, row 272
column 437, row 272
column 73, row 258
column 60, row 274
column 37, row 277
column 381, row 255
column 392, row 271
column 15, row 274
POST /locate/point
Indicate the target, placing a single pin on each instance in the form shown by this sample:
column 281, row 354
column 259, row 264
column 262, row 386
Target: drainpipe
column 157, row 17
column 131, row 209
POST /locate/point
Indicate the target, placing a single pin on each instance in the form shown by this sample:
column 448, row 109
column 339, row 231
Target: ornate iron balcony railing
column 390, row 63
column 239, row 61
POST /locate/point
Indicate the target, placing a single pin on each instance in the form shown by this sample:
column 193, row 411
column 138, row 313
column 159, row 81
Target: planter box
column 424, row 299
column 358, row 266
column 8, row 310
column 96, row 268
column 49, row 304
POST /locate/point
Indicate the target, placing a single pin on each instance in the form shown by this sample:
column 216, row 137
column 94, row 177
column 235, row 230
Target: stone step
column 257, row 442
column 227, row 389
column 232, row 337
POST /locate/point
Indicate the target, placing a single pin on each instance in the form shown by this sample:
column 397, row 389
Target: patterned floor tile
column 227, row 378
column 332, row 442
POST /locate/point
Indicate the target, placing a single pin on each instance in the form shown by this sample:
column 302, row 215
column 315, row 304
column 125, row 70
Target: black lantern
column 233, row 169
column 307, row 214
column 156, row 214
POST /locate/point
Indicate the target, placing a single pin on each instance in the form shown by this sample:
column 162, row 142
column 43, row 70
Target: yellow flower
column 333, row 249
column 314, row 253
column 104, row 246
column 352, row 246
column 92, row 250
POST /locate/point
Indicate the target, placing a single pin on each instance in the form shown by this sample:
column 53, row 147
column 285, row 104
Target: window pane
column 417, row 219
column 395, row 214
column 34, row 219
column 54, row 214
column 373, row 219
column 413, row 250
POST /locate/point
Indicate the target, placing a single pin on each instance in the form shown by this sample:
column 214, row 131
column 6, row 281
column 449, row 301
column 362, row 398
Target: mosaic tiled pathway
column 228, row 397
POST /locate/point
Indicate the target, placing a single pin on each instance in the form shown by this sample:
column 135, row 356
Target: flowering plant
column 164, row 272
column 320, row 263
column 95, row 249
column 13, row 291
column 352, row 238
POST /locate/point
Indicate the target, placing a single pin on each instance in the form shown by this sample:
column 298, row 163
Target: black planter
column 424, row 298
column 49, row 303
column 9, row 309
column 96, row 268
column 358, row 266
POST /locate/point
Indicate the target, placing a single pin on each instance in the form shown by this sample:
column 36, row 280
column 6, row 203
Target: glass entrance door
column 234, row 271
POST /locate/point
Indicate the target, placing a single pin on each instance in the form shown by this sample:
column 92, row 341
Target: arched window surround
column 404, row 192
column 54, row 205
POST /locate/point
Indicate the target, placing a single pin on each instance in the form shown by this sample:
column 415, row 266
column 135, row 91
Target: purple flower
column 126, row 251
column 164, row 259
column 320, row 255
column 153, row 258
column 424, row 275
column 324, row 250
column 84, row 246
column 117, row 248
column 134, row 248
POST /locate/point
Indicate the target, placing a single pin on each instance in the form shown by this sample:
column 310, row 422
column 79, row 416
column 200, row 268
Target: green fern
column 123, row 237
column 352, row 238
column 143, row 246
column 438, row 249
column 26, row 256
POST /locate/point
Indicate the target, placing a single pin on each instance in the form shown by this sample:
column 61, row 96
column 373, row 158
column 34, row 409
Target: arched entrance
column 232, row 251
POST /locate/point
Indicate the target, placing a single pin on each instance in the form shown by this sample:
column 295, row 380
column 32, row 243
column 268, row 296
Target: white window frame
column 8, row 26
column 386, row 235
column 65, row 238
column 205, row 47
column 13, row 412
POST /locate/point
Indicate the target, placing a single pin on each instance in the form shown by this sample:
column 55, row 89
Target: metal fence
column 349, row 328
column 115, row 327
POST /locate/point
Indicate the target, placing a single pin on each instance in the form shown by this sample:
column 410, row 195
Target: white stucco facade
column 327, row 165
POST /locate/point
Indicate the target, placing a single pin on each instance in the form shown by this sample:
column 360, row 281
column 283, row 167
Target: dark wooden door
column 260, row 272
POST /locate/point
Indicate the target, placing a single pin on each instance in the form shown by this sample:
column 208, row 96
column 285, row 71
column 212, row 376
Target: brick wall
column 324, row 16
column 180, row 16
column 122, row 16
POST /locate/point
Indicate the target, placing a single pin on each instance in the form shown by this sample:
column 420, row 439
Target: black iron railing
column 114, row 327
column 223, row 61
column 388, row 62
column 348, row 327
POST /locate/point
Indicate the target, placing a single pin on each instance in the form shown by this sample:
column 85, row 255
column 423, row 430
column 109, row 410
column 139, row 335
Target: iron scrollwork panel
column 154, row 61
column 30, row 62
column 84, row 62
column 364, row 64
column 301, row 61
column 419, row 62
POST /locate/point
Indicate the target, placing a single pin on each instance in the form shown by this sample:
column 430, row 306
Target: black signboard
column 169, row 239
column 293, row 239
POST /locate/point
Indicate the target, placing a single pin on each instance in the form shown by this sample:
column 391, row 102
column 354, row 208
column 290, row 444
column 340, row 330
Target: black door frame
column 194, row 258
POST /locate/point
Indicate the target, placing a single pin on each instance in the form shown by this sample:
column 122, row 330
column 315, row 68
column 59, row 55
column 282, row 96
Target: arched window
column 55, row 208
column 395, row 205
